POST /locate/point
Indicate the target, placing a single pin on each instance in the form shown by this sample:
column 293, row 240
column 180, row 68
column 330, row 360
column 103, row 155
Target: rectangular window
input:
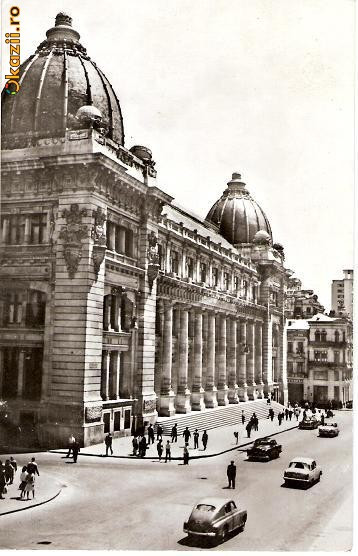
column 244, row 288
column 236, row 283
column 336, row 376
column 290, row 367
column 226, row 280
column 300, row 347
column 129, row 243
column 174, row 258
column 215, row 275
column 336, row 356
column 299, row 366
column 203, row 272
column 190, row 267
column 320, row 356
column 254, row 294
column 38, row 225
column 127, row 418
column 16, row 230
column 320, row 375
column 289, row 347
column 117, row 421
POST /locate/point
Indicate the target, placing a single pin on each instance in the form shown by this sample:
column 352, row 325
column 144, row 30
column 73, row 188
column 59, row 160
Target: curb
column 134, row 458
column 32, row 506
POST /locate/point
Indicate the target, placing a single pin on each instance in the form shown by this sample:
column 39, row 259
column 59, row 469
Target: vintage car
column 265, row 449
column 215, row 518
column 329, row 429
column 309, row 422
column 304, row 471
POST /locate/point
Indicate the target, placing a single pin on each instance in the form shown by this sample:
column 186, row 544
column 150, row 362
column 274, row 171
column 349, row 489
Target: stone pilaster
column 167, row 407
column 232, row 362
column 258, row 359
column 20, row 374
column 1, row 370
column 210, row 388
column 183, row 392
column 251, row 384
column 106, row 362
column 241, row 354
column 197, row 392
column 222, row 372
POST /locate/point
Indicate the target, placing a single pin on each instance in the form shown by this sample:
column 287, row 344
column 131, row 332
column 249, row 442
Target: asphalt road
column 132, row 504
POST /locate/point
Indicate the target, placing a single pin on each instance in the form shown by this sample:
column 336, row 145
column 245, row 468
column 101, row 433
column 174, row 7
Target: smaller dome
column 88, row 113
column 141, row 152
column 262, row 238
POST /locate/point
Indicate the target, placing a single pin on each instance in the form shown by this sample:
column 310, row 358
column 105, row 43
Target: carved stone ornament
column 72, row 234
column 93, row 414
column 100, row 240
column 153, row 259
column 149, row 406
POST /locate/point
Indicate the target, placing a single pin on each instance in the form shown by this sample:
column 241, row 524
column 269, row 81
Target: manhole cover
column 44, row 542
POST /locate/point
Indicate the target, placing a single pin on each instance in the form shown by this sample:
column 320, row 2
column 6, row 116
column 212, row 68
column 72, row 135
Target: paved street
column 134, row 504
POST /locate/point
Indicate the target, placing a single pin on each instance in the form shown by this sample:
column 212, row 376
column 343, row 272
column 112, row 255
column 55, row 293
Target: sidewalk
column 46, row 489
column 220, row 440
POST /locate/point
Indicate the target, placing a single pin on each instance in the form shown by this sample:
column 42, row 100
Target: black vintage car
column 265, row 449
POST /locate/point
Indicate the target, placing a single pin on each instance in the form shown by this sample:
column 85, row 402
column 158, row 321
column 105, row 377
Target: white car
column 304, row 471
column 330, row 429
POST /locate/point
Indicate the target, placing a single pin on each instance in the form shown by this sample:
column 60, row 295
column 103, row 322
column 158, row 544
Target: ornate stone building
column 116, row 304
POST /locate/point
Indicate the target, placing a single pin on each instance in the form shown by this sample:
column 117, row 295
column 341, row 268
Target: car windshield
column 205, row 507
column 299, row 465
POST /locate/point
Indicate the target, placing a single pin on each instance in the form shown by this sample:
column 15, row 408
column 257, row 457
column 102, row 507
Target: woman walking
column 23, row 481
column 30, row 485
column 186, row 454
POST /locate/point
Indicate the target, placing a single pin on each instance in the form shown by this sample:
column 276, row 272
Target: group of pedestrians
column 252, row 424
column 27, row 477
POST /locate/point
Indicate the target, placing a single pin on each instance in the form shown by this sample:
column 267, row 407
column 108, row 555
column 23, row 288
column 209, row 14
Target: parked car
column 215, row 518
column 349, row 405
column 304, row 471
column 309, row 423
column 264, row 448
column 330, row 429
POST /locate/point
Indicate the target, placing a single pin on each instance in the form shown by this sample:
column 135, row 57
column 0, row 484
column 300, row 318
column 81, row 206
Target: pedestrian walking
column 271, row 413
column 150, row 434
column 243, row 418
column 75, row 451
column 268, row 401
column 286, row 413
column 13, row 463
column 231, row 474
column 322, row 419
column 290, row 413
column 32, row 467
column 71, row 442
column 159, row 432
column 160, row 449
column 248, row 429
column 297, row 412
column 22, row 485
column 279, row 417
column 168, row 453
column 186, row 454
column 9, row 472
column 196, row 439
column 186, row 434
column 30, row 484
column 135, row 445
column 142, row 447
column 2, row 481
column 108, row 442
column 174, row 433
column 255, row 422
column 205, row 439
column 236, row 435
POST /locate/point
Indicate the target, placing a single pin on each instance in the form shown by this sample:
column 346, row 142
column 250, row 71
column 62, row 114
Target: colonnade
column 210, row 357
column 111, row 375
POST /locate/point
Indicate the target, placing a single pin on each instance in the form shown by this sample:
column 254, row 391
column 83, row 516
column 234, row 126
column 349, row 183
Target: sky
column 260, row 87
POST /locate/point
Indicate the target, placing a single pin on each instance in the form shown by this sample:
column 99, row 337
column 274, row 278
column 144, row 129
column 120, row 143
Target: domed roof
column 237, row 215
column 55, row 83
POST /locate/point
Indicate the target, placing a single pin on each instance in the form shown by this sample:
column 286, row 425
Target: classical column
column 27, row 233
column 183, row 392
column 115, row 362
column 166, row 393
column 1, row 370
column 5, row 229
column 122, row 240
column 107, row 312
column 20, row 373
column 112, row 236
column 251, row 360
column 210, row 388
column 231, row 362
column 105, row 374
column 197, row 391
column 258, row 360
column 222, row 385
column 116, row 311
column 242, row 354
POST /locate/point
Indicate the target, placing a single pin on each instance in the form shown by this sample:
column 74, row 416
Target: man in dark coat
column 75, row 451
column 2, row 480
column 196, row 439
column 186, row 434
column 242, row 417
column 248, row 428
column 204, row 439
column 174, row 433
column 271, row 413
column 159, row 432
column 108, row 442
column 290, row 413
column 286, row 413
column 231, row 474
column 32, row 467
column 142, row 447
column 150, row 434
column 186, row 454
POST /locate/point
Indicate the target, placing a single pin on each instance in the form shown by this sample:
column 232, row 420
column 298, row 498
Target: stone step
column 218, row 417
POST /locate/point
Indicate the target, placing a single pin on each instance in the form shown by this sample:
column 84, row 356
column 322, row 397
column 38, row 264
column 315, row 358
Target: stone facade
column 116, row 305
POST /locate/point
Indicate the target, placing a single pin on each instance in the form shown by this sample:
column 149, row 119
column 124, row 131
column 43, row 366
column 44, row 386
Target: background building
column 299, row 303
column 342, row 294
column 319, row 359
column 117, row 305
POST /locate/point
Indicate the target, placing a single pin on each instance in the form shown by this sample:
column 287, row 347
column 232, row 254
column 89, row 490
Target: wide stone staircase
column 218, row 417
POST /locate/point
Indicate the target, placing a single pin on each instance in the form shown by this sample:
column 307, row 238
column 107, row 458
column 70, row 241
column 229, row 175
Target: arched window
column 323, row 336
column 317, row 336
column 336, row 336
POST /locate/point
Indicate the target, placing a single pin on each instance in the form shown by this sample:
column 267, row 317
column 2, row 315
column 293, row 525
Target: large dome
column 56, row 82
column 237, row 216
